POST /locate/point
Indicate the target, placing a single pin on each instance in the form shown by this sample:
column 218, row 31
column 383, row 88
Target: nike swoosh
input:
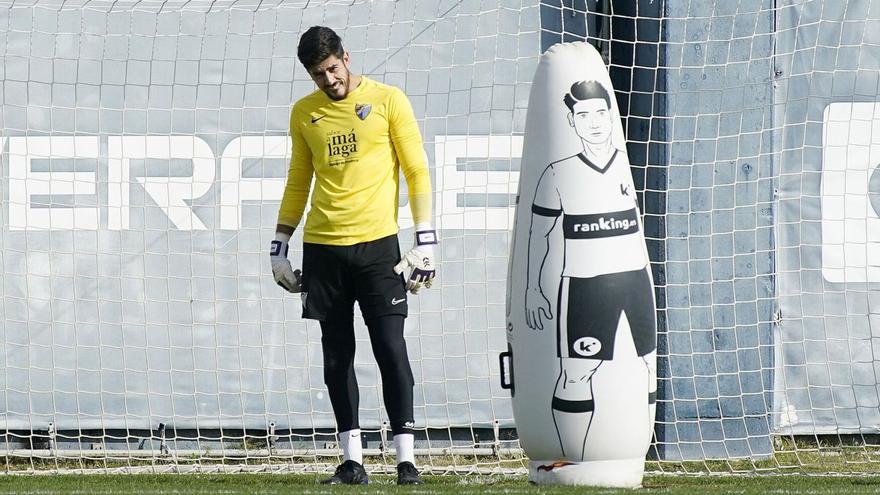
column 315, row 119
column 395, row 302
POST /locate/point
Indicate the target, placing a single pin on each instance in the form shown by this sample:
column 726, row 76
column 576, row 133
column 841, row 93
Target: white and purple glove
column 285, row 276
column 421, row 259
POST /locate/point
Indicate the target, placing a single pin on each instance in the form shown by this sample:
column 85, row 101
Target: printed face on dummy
column 591, row 120
column 332, row 76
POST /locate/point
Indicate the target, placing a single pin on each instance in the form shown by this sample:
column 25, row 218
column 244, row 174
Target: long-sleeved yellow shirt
column 354, row 148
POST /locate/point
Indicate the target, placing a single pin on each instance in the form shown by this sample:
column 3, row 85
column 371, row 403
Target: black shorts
column 334, row 277
column 589, row 311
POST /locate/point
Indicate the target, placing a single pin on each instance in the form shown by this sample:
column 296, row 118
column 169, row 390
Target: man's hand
column 421, row 259
column 536, row 305
column 285, row 276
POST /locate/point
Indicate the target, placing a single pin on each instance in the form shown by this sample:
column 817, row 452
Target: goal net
column 145, row 150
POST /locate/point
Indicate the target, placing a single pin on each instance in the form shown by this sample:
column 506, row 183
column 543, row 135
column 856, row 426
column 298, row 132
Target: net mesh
column 145, row 149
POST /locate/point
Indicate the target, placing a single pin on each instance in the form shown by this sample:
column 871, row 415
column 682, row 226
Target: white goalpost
column 144, row 150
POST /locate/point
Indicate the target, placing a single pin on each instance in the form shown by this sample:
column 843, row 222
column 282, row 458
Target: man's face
column 591, row 120
column 332, row 76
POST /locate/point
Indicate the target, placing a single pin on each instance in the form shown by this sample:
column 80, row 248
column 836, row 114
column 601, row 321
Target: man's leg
column 573, row 405
column 640, row 313
column 337, row 342
column 389, row 348
column 651, row 363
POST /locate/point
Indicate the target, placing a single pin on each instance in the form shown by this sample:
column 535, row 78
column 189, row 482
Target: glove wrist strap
column 278, row 248
column 426, row 237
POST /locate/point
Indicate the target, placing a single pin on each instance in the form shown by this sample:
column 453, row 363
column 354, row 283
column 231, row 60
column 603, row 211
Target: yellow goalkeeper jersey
column 354, row 149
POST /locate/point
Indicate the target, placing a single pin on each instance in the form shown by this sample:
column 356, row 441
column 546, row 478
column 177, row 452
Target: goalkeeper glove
column 285, row 276
column 421, row 259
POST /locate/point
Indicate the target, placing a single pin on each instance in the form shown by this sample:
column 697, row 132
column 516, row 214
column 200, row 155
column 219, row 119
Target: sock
column 404, row 446
column 350, row 441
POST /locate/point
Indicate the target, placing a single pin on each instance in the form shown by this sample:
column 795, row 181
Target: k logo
column 587, row 346
column 362, row 110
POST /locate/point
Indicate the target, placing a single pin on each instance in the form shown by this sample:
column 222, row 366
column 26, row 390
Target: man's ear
column 345, row 59
column 570, row 119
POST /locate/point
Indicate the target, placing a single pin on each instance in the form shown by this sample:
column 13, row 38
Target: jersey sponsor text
column 593, row 226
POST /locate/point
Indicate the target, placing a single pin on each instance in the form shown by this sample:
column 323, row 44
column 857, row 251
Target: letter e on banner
column 850, row 193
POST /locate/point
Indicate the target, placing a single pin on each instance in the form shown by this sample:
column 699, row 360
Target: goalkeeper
column 352, row 136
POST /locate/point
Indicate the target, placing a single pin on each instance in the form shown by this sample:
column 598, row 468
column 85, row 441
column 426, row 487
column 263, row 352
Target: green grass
column 258, row 484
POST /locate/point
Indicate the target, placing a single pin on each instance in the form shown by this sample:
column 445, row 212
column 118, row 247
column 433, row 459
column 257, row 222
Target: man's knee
column 337, row 343
column 386, row 337
column 577, row 370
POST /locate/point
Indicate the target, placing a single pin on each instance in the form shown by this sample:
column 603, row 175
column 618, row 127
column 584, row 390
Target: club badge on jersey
column 362, row 110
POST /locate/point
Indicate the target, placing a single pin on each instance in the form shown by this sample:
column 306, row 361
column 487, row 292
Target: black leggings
column 389, row 348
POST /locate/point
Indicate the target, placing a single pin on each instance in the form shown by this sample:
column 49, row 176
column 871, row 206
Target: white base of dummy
column 623, row 473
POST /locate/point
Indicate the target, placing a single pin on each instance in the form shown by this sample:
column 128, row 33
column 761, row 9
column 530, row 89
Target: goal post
column 144, row 150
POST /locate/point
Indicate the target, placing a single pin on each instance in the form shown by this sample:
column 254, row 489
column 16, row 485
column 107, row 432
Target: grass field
column 257, row 484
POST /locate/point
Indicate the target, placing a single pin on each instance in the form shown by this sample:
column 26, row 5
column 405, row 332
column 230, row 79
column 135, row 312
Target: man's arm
column 546, row 209
column 299, row 179
column 284, row 229
column 293, row 204
column 407, row 141
column 537, row 304
column 408, row 146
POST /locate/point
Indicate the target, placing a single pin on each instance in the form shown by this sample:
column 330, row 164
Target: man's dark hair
column 318, row 43
column 584, row 90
